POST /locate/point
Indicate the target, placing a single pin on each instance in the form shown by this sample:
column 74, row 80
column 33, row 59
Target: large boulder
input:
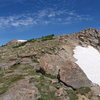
column 72, row 75
column 69, row 72
column 51, row 64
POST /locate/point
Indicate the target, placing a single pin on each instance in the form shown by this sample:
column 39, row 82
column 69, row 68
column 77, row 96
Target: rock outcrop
column 67, row 71
column 45, row 68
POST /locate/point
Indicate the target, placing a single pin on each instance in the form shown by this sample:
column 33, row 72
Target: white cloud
column 48, row 16
column 16, row 21
column 24, row 22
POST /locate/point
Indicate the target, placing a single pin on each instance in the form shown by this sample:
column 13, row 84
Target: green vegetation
column 15, row 78
column 49, row 37
column 49, row 96
column 25, row 67
column 37, row 79
column 31, row 40
column 3, row 45
column 45, row 38
column 72, row 95
column 57, row 85
column 32, row 73
column 44, row 89
column 29, row 70
column 13, row 67
column 23, row 43
column 1, row 75
column 19, row 45
column 35, row 60
column 9, row 71
column 7, row 82
column 43, row 86
column 50, row 76
column 3, row 89
column 83, row 90
column 11, row 79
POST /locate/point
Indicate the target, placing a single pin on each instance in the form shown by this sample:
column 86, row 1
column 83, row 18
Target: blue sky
column 26, row 19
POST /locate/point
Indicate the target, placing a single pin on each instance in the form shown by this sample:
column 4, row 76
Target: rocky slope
column 45, row 68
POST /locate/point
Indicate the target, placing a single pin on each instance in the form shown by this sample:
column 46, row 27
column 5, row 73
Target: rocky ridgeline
column 45, row 69
column 88, row 37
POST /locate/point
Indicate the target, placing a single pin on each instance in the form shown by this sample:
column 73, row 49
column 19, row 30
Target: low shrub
column 50, row 76
column 19, row 45
column 49, row 96
column 72, row 95
column 83, row 90
column 3, row 89
column 49, row 37
column 23, row 43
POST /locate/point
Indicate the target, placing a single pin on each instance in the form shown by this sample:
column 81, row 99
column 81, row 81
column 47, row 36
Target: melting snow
column 88, row 58
column 22, row 40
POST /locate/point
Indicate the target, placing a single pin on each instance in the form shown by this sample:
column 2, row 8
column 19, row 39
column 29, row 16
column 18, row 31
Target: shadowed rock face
column 73, row 76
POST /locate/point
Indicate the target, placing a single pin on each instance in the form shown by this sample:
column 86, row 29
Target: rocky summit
column 46, row 69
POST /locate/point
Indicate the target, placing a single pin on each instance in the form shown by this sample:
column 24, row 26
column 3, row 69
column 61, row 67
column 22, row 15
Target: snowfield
column 88, row 58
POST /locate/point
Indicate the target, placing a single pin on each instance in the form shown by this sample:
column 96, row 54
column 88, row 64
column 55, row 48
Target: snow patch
column 21, row 40
column 88, row 58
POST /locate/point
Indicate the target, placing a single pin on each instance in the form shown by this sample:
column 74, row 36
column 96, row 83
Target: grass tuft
column 49, row 37
column 72, row 95
column 83, row 90
column 3, row 89
column 24, row 43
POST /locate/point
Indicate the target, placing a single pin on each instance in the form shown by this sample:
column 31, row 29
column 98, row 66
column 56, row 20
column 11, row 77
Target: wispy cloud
column 48, row 16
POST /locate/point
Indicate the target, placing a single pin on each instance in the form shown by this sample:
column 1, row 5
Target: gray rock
column 21, row 91
column 69, row 72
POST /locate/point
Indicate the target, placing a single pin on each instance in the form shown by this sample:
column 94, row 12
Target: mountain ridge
column 48, row 68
